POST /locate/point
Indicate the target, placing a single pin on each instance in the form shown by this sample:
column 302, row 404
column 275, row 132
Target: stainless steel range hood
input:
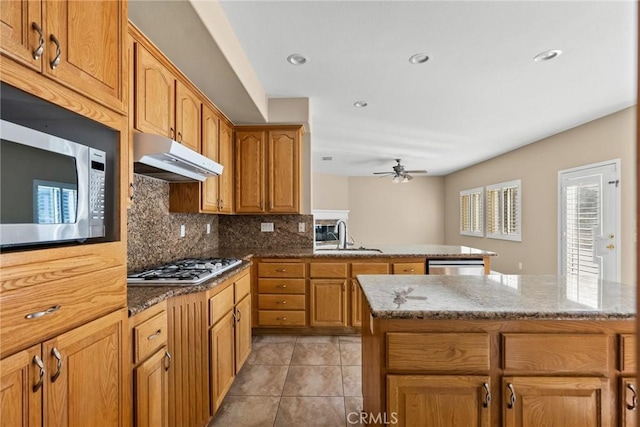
column 163, row 158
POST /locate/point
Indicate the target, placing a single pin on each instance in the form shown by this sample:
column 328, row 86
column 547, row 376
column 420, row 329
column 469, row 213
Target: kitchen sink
column 349, row 251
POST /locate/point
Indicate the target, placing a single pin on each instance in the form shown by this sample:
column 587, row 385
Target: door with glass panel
column 589, row 221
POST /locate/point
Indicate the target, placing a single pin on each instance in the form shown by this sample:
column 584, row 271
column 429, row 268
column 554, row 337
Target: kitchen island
column 497, row 350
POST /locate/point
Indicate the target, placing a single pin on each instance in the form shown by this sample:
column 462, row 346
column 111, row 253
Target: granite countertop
column 497, row 297
column 139, row 298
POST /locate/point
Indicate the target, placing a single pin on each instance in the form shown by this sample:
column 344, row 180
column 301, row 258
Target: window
column 504, row 211
column 471, row 212
column 54, row 202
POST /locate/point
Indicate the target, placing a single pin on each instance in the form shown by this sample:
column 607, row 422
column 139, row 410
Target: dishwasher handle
column 456, row 262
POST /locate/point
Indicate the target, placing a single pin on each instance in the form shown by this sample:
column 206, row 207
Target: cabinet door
column 284, row 171
column 187, row 117
column 356, row 303
column 222, row 337
column 151, row 391
column 628, row 402
column 328, row 302
column 20, row 394
column 243, row 331
column 87, row 38
column 85, row 374
column 19, row 39
column 249, row 172
column 155, row 95
column 210, row 123
column 560, row 401
column 438, row 401
column 225, row 158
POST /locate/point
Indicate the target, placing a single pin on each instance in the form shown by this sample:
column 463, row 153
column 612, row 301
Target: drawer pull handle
column 168, row 358
column 281, row 302
column 512, row 396
column 634, row 399
column 281, row 286
column 56, row 60
column 180, row 137
column 409, row 270
column 37, row 52
column 55, row 353
column 487, row 395
column 281, row 318
column 281, row 270
column 37, row 314
column 40, row 365
column 132, row 190
column 154, row 336
column 239, row 315
column 172, row 133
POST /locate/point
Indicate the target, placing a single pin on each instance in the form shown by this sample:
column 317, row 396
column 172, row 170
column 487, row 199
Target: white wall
column 330, row 192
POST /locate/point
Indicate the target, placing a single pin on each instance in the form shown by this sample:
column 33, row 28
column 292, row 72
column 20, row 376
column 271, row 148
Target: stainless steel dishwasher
column 455, row 267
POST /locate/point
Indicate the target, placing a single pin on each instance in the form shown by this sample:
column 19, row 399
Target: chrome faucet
column 341, row 229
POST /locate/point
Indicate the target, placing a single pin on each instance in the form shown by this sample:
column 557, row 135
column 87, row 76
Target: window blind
column 582, row 219
column 471, row 212
column 504, row 211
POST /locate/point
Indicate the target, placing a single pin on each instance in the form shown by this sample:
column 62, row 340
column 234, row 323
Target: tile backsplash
column 243, row 231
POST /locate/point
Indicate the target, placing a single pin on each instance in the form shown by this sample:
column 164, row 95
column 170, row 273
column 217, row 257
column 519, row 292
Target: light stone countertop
column 497, row 297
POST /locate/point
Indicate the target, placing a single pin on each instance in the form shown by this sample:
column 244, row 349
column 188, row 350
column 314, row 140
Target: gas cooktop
column 184, row 272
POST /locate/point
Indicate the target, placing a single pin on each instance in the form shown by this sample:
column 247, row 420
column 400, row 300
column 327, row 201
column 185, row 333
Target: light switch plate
column 183, row 230
column 208, row 228
column 266, row 227
column 302, row 227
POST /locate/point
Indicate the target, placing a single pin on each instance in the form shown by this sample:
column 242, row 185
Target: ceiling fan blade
column 384, row 173
column 416, row 171
column 409, row 177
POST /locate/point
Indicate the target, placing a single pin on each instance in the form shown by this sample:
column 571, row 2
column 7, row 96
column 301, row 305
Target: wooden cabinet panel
column 443, row 352
column 575, row 353
column 328, row 269
column 249, row 172
column 369, row 268
column 281, row 269
column 20, row 403
column 328, row 302
column 281, row 286
column 155, row 95
column 243, row 331
column 628, row 353
column 225, row 158
column 210, row 149
column 409, row 267
column 242, row 287
column 151, row 391
column 628, row 402
column 221, row 304
column 149, row 336
column 438, row 401
column 356, row 303
column 90, row 37
column 284, row 171
column 281, row 302
column 84, row 383
column 559, row 401
column 281, row 318
column 188, row 107
column 18, row 38
column 222, row 359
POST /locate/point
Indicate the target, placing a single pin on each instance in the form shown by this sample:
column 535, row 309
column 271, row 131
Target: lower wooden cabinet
column 555, row 401
column 328, row 302
column 222, row 349
column 21, row 388
column 356, row 303
column 628, row 402
column 243, row 331
column 438, row 401
column 151, row 382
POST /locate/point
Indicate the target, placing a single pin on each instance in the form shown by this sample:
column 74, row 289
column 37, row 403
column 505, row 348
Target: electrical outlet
column 208, row 228
column 519, row 266
column 266, row 227
column 183, row 230
column 302, row 227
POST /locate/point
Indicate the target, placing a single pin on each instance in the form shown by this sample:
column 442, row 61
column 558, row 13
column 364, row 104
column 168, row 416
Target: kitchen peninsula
column 498, row 350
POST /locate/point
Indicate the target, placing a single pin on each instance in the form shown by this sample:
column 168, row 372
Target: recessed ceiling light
column 296, row 59
column 360, row 104
column 419, row 58
column 548, row 55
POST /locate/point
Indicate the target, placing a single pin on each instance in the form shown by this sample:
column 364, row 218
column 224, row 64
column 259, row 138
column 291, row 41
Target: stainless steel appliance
column 184, row 272
column 455, row 267
column 327, row 227
column 51, row 189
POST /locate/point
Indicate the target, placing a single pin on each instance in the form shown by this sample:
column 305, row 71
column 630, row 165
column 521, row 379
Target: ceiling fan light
column 396, row 179
column 405, row 180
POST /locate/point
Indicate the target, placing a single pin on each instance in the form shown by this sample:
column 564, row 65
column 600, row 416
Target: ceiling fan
column 399, row 173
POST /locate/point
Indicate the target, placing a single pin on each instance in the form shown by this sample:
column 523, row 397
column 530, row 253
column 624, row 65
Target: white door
column 589, row 221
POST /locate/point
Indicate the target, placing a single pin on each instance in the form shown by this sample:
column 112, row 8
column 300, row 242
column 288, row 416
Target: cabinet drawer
column 281, row 318
column 328, row 269
column 280, row 269
column 281, row 286
column 242, row 287
column 444, row 352
column 409, row 268
column 628, row 353
column 281, row 302
column 149, row 336
column 220, row 304
column 575, row 353
column 369, row 268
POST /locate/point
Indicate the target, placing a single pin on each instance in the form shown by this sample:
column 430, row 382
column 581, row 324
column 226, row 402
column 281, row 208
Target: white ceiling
column 479, row 95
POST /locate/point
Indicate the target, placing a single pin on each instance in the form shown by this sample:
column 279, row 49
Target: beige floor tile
column 351, row 354
column 259, row 380
column 311, row 412
column 274, row 339
column 352, row 380
column 353, row 407
column 268, row 353
column 355, row 339
column 313, row 381
column 316, row 354
column 246, row 411
column 317, row 339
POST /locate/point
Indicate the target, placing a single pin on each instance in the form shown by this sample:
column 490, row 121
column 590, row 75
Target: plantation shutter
column 582, row 219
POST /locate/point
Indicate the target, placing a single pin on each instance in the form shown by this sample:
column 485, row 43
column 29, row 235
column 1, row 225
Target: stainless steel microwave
column 51, row 189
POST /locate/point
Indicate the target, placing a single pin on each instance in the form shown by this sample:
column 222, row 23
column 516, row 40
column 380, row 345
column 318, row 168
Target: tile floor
column 296, row 381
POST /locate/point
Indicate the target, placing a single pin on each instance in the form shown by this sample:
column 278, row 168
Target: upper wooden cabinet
column 187, row 117
column 267, row 169
column 77, row 43
column 225, row 158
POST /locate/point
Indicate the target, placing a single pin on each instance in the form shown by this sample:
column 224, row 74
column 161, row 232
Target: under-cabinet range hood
column 163, row 158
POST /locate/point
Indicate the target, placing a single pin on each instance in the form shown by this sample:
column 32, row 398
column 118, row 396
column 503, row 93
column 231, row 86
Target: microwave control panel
column 97, row 169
